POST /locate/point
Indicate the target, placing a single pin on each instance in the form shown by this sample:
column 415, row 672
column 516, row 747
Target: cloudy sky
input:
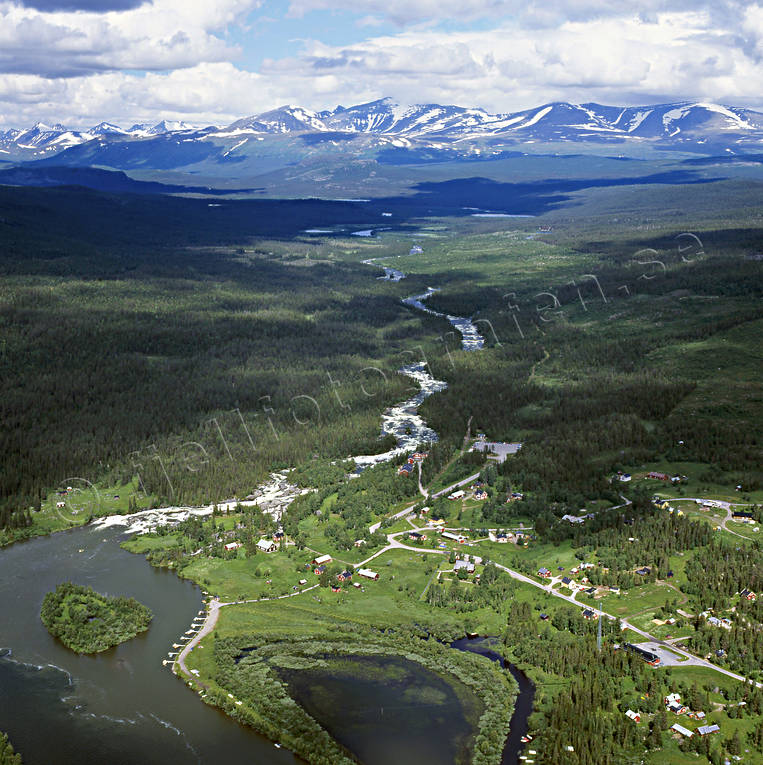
column 212, row 61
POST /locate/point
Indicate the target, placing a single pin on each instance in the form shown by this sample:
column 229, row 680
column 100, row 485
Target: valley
column 224, row 384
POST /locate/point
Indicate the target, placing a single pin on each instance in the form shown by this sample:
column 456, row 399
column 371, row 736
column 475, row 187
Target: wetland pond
column 387, row 709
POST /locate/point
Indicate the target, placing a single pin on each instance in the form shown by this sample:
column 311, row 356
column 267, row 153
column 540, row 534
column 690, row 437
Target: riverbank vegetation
column 88, row 622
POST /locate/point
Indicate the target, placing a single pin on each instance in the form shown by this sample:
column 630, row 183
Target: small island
column 88, row 622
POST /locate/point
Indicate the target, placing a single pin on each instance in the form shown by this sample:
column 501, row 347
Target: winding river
column 123, row 706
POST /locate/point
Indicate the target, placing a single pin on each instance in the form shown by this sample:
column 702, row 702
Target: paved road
column 376, row 526
column 691, row 659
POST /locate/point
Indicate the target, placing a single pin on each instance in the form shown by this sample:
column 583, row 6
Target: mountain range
column 381, row 132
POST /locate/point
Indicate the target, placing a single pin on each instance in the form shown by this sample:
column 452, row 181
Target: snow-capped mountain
column 385, row 123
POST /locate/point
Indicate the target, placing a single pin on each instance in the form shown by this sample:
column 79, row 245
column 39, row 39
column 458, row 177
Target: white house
column 266, row 545
column 232, row 546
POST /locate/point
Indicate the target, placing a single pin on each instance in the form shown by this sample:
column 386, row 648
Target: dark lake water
column 388, row 709
column 120, row 706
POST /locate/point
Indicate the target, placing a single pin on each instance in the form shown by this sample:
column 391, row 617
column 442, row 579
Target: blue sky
column 204, row 61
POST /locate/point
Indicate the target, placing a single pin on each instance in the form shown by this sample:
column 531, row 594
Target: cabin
column 455, row 537
column 544, row 573
column 624, row 477
column 614, row 590
column 672, row 698
column 678, row 708
column 335, row 588
column 357, row 585
column 417, row 249
column 645, row 571
column 321, row 560
column 303, row 581
column 278, row 536
column 480, row 494
column 464, row 565
column 366, row 573
column 345, row 576
column 460, row 494
column 416, row 536
column 635, row 716
column 360, row 542
column 418, row 456
column 544, row 617
column 685, row 732
column 318, row 570
column 706, row 730
column 591, row 591
column 655, row 476
column 589, row 614
column 567, row 582
column 748, row 595
column 232, row 546
column 266, row 545
column 406, row 469
column 741, row 514
column 502, row 538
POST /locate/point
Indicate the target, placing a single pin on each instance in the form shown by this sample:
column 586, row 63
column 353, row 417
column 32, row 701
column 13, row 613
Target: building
column 321, row 560
column 480, row 494
column 502, row 538
column 345, row 576
column 748, row 595
column 635, row 716
column 417, row 249
column 658, row 476
column 544, row 573
column 460, row 494
column 464, row 565
column 406, row 469
column 455, row 537
column 589, row 614
column 650, row 658
column 685, row 732
column 318, row 570
column 645, row 571
column 232, row 546
column 366, row 573
column 266, row 545
column 567, row 582
column 360, row 542
column 706, row 730
column 573, row 519
column 416, row 536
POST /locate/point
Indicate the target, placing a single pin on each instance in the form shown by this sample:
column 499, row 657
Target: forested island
column 88, row 622
column 7, row 755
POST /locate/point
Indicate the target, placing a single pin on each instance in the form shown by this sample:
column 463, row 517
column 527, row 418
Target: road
column 373, row 528
column 691, row 659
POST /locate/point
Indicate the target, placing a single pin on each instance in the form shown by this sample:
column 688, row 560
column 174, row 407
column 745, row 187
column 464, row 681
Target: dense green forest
column 88, row 622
